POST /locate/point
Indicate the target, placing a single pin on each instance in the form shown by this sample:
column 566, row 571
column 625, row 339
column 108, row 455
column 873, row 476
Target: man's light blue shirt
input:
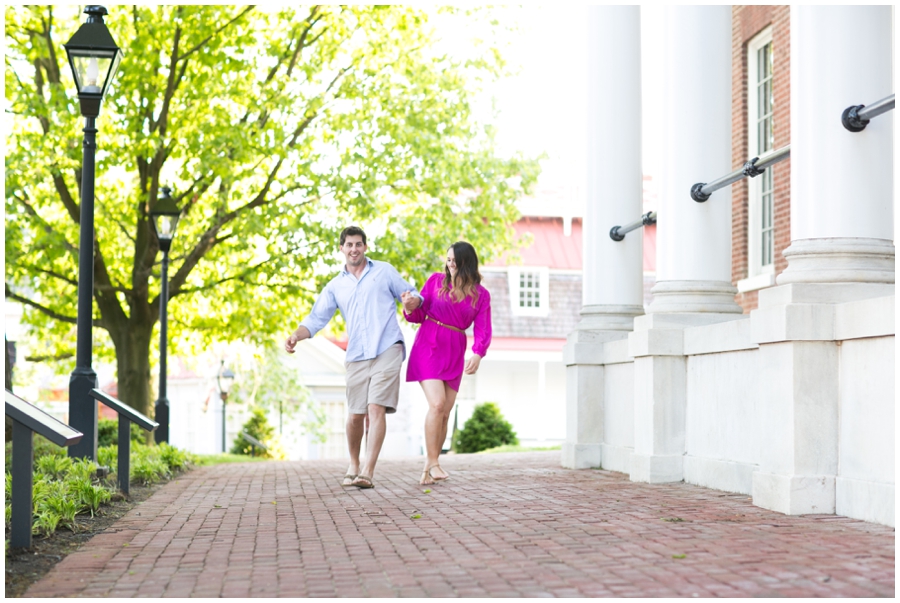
column 369, row 308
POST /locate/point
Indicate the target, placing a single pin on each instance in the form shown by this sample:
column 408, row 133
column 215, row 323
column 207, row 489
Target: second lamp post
column 225, row 379
column 165, row 214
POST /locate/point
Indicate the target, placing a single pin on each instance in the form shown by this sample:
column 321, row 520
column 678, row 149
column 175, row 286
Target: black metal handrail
column 701, row 191
column 253, row 443
column 856, row 117
column 127, row 416
column 617, row 233
column 28, row 419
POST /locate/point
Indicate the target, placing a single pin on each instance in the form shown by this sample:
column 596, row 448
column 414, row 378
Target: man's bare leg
column 377, row 429
column 355, row 429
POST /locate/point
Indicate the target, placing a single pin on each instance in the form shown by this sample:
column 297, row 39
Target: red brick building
column 761, row 122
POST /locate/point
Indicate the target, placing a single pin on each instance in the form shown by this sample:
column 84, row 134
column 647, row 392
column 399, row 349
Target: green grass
column 218, row 459
column 517, row 448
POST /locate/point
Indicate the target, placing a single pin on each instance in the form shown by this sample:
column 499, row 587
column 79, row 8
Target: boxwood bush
column 485, row 429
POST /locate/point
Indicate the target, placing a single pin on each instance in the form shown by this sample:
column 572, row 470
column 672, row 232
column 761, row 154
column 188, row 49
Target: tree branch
column 66, row 197
column 206, row 40
column 37, row 306
column 29, row 209
column 215, row 284
column 62, row 277
column 63, row 356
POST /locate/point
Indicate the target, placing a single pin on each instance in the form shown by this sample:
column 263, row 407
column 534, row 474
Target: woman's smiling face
column 451, row 262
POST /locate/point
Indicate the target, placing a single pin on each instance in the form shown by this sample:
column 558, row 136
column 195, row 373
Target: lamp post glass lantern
column 92, row 54
column 165, row 215
column 225, row 380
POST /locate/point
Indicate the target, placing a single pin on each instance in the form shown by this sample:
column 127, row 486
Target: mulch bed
column 24, row 567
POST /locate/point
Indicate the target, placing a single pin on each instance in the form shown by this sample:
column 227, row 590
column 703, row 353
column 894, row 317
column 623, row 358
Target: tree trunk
column 133, row 366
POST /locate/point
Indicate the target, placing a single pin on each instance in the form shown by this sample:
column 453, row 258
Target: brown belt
column 443, row 325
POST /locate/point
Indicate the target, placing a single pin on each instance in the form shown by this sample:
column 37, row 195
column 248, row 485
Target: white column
column 693, row 259
column 613, row 271
column 841, row 181
column 693, row 263
column 841, row 257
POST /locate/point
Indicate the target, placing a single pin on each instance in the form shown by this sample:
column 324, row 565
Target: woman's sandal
column 426, row 479
column 435, row 477
column 348, row 480
column 363, row 482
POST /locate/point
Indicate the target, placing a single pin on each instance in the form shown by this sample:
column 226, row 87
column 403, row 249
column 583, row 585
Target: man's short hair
column 351, row 231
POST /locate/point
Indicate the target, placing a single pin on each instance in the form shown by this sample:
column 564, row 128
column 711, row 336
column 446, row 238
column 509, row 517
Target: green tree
column 257, row 426
column 268, row 380
column 485, row 429
column 275, row 128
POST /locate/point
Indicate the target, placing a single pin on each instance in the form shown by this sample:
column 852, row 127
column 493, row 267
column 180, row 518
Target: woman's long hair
column 467, row 276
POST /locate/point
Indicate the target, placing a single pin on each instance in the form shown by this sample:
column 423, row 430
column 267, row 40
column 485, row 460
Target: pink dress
column 439, row 352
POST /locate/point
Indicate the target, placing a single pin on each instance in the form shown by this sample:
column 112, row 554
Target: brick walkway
column 503, row 525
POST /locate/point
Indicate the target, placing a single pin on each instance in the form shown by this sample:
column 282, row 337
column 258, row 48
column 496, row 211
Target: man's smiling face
column 354, row 250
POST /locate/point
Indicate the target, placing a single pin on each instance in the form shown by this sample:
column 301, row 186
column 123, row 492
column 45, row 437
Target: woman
column 452, row 302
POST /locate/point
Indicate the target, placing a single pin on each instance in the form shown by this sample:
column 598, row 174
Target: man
column 365, row 292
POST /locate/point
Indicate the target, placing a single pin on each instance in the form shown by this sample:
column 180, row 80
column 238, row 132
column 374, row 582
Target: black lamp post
column 165, row 214
column 94, row 59
column 225, row 379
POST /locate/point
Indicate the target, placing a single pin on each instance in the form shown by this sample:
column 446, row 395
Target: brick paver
column 503, row 525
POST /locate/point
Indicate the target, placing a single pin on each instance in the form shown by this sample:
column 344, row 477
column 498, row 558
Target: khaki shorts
column 375, row 381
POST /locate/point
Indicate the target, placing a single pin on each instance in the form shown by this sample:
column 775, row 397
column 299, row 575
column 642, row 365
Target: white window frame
column 543, row 290
column 759, row 275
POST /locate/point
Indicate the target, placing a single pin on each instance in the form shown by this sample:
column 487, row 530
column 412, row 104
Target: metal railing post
column 22, row 485
column 123, row 462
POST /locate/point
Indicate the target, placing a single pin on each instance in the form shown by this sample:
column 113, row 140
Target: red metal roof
column 552, row 248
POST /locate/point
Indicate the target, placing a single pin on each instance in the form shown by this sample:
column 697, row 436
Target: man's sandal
column 348, row 480
column 436, row 477
column 363, row 482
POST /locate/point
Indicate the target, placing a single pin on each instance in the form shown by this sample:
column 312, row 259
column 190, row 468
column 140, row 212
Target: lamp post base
column 162, row 417
column 83, row 412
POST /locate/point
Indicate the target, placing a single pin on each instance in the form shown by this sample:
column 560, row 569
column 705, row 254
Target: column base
column 694, row 296
column 794, row 494
column 657, row 468
column 608, row 317
column 581, row 456
column 839, row 260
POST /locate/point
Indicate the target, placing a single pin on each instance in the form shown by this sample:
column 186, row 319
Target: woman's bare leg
column 435, row 423
column 449, row 401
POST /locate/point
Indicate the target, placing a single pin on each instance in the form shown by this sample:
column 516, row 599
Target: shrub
column 257, row 426
column 486, row 428
column 108, row 433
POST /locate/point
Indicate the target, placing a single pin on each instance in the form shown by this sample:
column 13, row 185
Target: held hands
column 410, row 301
column 472, row 364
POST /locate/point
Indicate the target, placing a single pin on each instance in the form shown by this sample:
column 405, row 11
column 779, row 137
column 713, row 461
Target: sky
column 543, row 108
